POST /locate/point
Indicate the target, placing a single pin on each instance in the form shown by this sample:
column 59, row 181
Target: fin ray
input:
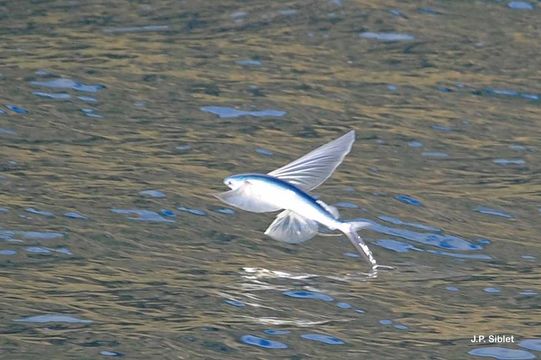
column 312, row 169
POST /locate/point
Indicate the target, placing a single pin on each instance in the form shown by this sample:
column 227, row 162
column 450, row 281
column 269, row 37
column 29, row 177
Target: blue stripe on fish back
column 285, row 184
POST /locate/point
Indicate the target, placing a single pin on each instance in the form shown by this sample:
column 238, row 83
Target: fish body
column 281, row 194
column 287, row 189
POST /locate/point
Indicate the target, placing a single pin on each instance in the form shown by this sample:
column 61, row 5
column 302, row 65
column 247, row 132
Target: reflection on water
column 118, row 120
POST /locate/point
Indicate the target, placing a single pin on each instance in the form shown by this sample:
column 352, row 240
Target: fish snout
column 232, row 182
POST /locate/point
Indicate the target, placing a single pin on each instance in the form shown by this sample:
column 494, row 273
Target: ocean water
column 119, row 120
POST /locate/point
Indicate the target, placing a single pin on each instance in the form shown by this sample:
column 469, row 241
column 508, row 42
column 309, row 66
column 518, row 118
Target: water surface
column 119, row 120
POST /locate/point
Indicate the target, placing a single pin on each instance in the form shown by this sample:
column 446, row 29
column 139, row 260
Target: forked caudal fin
column 350, row 229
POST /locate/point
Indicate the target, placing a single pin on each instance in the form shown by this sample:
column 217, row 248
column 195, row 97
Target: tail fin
column 350, row 229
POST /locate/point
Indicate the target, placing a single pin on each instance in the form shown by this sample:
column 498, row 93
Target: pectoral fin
column 311, row 170
column 292, row 228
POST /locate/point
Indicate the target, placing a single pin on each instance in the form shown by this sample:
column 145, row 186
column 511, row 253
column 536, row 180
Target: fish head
column 235, row 181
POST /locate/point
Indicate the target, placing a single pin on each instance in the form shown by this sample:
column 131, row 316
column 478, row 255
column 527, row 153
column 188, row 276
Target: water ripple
column 64, row 83
column 302, row 294
column 531, row 344
column 56, row 318
column 141, row 215
column 326, row 339
column 228, row 112
column 501, row 353
column 261, row 342
column 387, row 36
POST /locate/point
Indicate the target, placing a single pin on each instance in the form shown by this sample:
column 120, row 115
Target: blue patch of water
column 228, row 112
column 387, row 36
column 343, row 305
column 445, row 89
column 39, row 212
column 7, row 235
column 452, row 288
column 87, row 99
column 435, row 154
column 531, row 344
column 386, row 322
column 184, row 147
column 492, row 290
column 533, row 97
column 63, row 250
column 2, row 112
column 428, row 11
column 238, row 15
column 17, row 109
column 168, row 213
column 517, row 147
column 4, row 131
column 438, row 240
column 8, row 252
column 484, row 242
column 192, row 211
column 528, row 293
column 4, row 210
column 519, row 5
column 55, row 96
column 303, row 294
column 394, row 245
column 261, row 342
column 326, row 339
column 360, row 311
column 91, row 113
column 38, row 250
column 392, row 87
column 235, row 303
column 351, row 254
column 507, row 162
column 40, row 235
column 64, row 83
column 500, row 353
column 263, row 151
column 249, row 62
column 493, row 212
column 528, row 257
column 57, row 318
column 507, row 92
column 226, row 211
column 400, row 327
column 75, row 215
column 406, row 199
column 276, row 332
column 110, row 353
column 152, row 193
column 47, row 251
column 346, row 205
column 441, row 128
column 396, row 12
column 141, row 215
column 415, row 144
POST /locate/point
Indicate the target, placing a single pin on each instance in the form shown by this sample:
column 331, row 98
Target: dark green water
column 100, row 101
